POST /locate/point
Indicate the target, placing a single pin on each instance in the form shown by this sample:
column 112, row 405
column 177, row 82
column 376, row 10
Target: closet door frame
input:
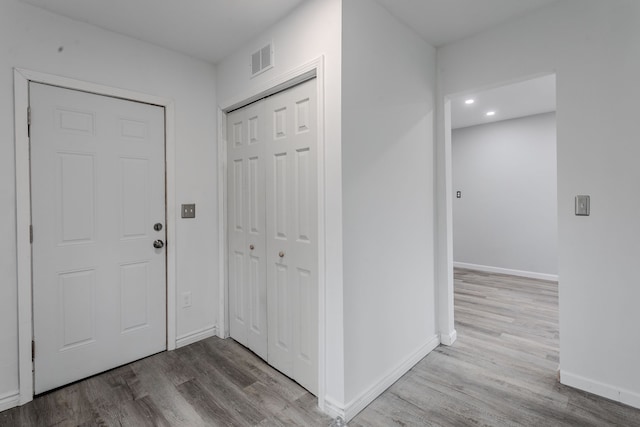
column 307, row 71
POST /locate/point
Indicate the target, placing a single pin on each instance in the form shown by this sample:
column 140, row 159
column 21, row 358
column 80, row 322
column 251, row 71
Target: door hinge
column 29, row 121
column 31, row 234
column 33, row 350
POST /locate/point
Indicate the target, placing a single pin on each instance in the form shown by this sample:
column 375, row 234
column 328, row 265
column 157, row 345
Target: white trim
column 322, row 234
column 196, row 336
column 22, row 78
column 500, row 270
column 444, row 215
column 282, row 82
column 172, row 220
column 9, row 400
column 366, row 397
column 621, row 395
column 314, row 68
column 333, row 408
column 223, row 328
column 23, row 221
column 448, row 339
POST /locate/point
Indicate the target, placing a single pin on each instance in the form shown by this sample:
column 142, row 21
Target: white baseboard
column 9, row 400
column 332, row 408
column 500, row 270
column 223, row 334
column 627, row 397
column 365, row 398
column 196, row 336
column 449, row 339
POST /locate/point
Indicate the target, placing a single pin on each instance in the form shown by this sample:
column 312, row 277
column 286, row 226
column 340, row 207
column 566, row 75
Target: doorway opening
column 503, row 194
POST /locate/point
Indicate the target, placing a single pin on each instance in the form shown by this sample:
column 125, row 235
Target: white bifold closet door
column 272, row 199
column 246, row 228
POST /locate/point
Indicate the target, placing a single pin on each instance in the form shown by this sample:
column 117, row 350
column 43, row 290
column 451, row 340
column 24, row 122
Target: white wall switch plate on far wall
column 582, row 205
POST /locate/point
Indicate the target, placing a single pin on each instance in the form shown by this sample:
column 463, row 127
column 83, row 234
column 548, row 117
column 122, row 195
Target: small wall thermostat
column 582, row 205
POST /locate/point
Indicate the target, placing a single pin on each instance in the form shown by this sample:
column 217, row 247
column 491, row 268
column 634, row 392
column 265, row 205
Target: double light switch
column 189, row 210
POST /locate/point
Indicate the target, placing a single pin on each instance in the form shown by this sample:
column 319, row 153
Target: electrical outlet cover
column 186, row 299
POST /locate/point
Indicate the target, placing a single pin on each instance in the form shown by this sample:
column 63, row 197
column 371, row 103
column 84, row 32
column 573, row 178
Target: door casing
column 22, row 78
column 314, row 68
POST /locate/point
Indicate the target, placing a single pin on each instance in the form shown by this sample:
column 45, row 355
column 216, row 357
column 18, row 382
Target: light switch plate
column 186, row 299
column 189, row 210
column 582, row 205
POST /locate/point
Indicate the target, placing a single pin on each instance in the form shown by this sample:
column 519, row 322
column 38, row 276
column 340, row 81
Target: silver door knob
column 281, row 254
column 158, row 244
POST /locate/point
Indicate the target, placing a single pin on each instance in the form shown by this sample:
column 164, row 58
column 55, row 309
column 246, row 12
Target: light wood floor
column 500, row 372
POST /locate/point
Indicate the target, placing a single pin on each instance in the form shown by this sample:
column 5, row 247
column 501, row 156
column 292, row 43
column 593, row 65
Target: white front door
column 99, row 282
column 272, row 207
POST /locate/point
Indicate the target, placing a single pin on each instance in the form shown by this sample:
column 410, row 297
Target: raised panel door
column 246, row 192
column 99, row 285
column 291, row 217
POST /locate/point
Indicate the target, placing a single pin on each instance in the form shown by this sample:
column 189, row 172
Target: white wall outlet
column 186, row 299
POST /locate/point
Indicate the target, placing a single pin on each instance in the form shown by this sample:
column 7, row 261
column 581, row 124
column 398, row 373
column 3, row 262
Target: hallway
column 501, row 370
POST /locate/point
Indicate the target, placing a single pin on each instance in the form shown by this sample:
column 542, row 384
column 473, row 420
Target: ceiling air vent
column 261, row 60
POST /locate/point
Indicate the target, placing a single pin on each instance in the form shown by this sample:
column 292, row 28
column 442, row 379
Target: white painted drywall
column 37, row 40
column 310, row 31
column 507, row 217
column 388, row 87
column 594, row 48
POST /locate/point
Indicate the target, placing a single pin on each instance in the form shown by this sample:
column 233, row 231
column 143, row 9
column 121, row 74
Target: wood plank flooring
column 500, row 372
column 210, row 383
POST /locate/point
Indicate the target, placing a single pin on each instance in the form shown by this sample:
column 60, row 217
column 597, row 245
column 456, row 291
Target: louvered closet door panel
column 291, row 243
column 246, row 223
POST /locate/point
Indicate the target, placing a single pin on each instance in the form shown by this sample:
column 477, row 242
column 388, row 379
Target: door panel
column 134, row 291
column 272, row 191
column 133, row 181
column 77, row 308
column 247, row 274
column 279, row 307
column 280, row 190
column 75, row 198
column 99, row 286
column 292, row 232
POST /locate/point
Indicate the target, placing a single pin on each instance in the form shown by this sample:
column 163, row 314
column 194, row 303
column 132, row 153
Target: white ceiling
column 205, row 29
column 212, row 29
column 526, row 98
column 444, row 21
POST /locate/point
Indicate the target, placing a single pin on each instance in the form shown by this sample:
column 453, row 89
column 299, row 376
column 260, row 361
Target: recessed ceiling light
column 469, row 101
column 491, row 113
